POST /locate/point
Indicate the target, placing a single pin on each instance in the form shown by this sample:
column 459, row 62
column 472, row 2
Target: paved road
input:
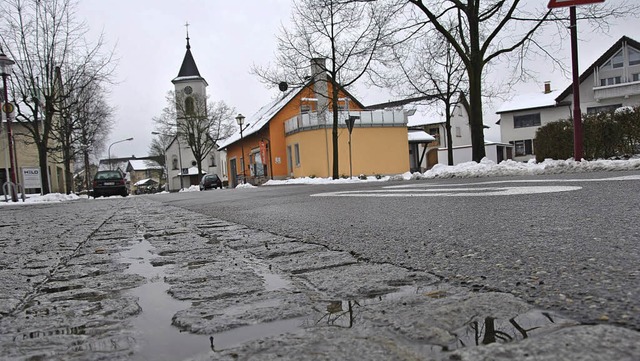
column 575, row 249
column 392, row 271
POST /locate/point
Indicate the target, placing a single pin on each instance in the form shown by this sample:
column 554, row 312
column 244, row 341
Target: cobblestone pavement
column 130, row 279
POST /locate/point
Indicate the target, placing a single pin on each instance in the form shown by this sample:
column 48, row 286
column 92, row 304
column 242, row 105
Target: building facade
column 611, row 82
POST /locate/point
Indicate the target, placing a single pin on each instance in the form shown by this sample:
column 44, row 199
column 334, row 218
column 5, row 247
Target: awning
column 420, row 136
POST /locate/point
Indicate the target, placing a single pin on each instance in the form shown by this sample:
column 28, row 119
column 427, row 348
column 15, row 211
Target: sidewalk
column 129, row 279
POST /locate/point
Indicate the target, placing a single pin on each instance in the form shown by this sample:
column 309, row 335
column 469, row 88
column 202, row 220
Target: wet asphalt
column 144, row 278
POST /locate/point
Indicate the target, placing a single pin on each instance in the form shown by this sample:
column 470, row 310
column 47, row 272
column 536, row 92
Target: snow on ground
column 486, row 168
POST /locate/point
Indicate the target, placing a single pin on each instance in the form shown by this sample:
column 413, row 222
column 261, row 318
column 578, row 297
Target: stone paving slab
column 96, row 288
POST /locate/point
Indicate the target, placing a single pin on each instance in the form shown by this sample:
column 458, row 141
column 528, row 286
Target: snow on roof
column 144, row 164
column 145, row 181
column 529, row 101
column 419, row 136
column 258, row 120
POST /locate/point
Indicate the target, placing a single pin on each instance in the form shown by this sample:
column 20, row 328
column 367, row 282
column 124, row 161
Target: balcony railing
column 617, row 90
column 367, row 118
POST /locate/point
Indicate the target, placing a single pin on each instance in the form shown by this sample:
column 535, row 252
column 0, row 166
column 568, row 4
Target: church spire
column 188, row 68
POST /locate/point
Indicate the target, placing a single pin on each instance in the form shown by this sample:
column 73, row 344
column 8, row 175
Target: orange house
column 292, row 137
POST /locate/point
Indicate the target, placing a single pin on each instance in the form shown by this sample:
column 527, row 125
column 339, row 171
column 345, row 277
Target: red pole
column 12, row 169
column 578, row 135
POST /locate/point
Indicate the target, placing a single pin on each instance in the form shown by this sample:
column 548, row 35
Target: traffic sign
column 564, row 3
column 7, row 108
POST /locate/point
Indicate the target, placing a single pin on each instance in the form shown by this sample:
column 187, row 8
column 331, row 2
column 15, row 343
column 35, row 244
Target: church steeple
column 188, row 67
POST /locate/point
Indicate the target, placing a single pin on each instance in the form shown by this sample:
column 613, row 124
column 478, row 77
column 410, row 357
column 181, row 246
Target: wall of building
column 375, row 150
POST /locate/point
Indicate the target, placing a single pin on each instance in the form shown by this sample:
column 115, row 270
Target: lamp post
column 240, row 120
column 350, row 122
column 179, row 155
column 5, row 67
column 116, row 142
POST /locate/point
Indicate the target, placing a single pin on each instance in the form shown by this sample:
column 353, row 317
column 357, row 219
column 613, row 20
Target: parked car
column 109, row 183
column 210, row 181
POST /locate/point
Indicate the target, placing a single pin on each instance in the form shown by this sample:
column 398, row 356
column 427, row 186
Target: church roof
column 188, row 69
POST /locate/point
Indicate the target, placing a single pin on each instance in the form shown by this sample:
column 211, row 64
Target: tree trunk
column 475, row 114
column 68, row 174
column 334, row 131
column 44, row 174
column 447, row 125
column 87, row 170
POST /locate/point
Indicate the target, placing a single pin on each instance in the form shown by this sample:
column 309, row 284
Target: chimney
column 547, row 87
column 320, row 86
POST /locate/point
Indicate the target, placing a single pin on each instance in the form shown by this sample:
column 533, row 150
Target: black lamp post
column 240, row 120
column 5, row 67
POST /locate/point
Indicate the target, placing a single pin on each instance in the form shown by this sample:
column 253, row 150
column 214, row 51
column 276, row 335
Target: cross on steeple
column 186, row 24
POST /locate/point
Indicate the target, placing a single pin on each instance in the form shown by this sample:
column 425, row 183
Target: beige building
column 27, row 161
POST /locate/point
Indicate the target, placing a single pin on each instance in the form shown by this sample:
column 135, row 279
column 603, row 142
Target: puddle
column 484, row 331
column 158, row 339
column 272, row 281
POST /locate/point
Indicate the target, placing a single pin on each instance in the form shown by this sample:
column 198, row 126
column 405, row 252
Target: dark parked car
column 109, row 183
column 210, row 181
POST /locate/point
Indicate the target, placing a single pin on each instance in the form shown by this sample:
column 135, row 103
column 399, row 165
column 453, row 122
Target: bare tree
column 90, row 119
column 347, row 34
column 487, row 29
column 197, row 121
column 53, row 58
column 425, row 67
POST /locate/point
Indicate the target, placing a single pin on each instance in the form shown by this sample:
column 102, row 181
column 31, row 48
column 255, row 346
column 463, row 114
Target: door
column 233, row 173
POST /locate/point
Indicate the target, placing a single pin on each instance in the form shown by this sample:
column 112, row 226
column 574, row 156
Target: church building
column 191, row 95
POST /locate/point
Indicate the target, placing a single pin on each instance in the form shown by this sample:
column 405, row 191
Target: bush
column 606, row 135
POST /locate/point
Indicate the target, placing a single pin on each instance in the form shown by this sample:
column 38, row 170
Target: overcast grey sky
column 227, row 37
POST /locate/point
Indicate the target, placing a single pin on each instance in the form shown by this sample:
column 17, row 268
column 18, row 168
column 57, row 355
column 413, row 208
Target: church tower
column 189, row 85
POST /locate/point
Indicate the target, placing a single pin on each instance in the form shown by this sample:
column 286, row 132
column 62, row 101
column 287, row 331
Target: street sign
column 564, row 3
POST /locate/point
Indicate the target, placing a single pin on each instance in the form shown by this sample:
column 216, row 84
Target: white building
column 181, row 163
column 611, row 82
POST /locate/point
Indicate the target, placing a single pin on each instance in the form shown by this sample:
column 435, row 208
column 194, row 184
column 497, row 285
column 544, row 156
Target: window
column 617, row 61
column 297, row 153
column 611, row 81
column 634, row 56
column 527, row 120
column 212, row 160
column 305, row 109
column 603, row 109
column 523, row 147
column 458, row 132
column 189, row 106
column 635, row 77
column 174, row 163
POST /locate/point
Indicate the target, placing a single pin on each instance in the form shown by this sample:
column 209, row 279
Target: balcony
column 368, row 118
column 617, row 90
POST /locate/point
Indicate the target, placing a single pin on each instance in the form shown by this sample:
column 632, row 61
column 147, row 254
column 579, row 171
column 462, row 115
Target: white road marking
column 451, row 192
column 621, row 178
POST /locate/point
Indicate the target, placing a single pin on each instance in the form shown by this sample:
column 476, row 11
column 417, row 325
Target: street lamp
column 5, row 67
column 109, row 150
column 179, row 155
column 240, row 120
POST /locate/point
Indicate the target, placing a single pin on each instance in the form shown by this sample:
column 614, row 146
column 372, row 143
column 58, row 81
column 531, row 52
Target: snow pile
column 315, row 180
column 190, row 189
column 36, row 198
column 245, row 186
column 486, row 168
